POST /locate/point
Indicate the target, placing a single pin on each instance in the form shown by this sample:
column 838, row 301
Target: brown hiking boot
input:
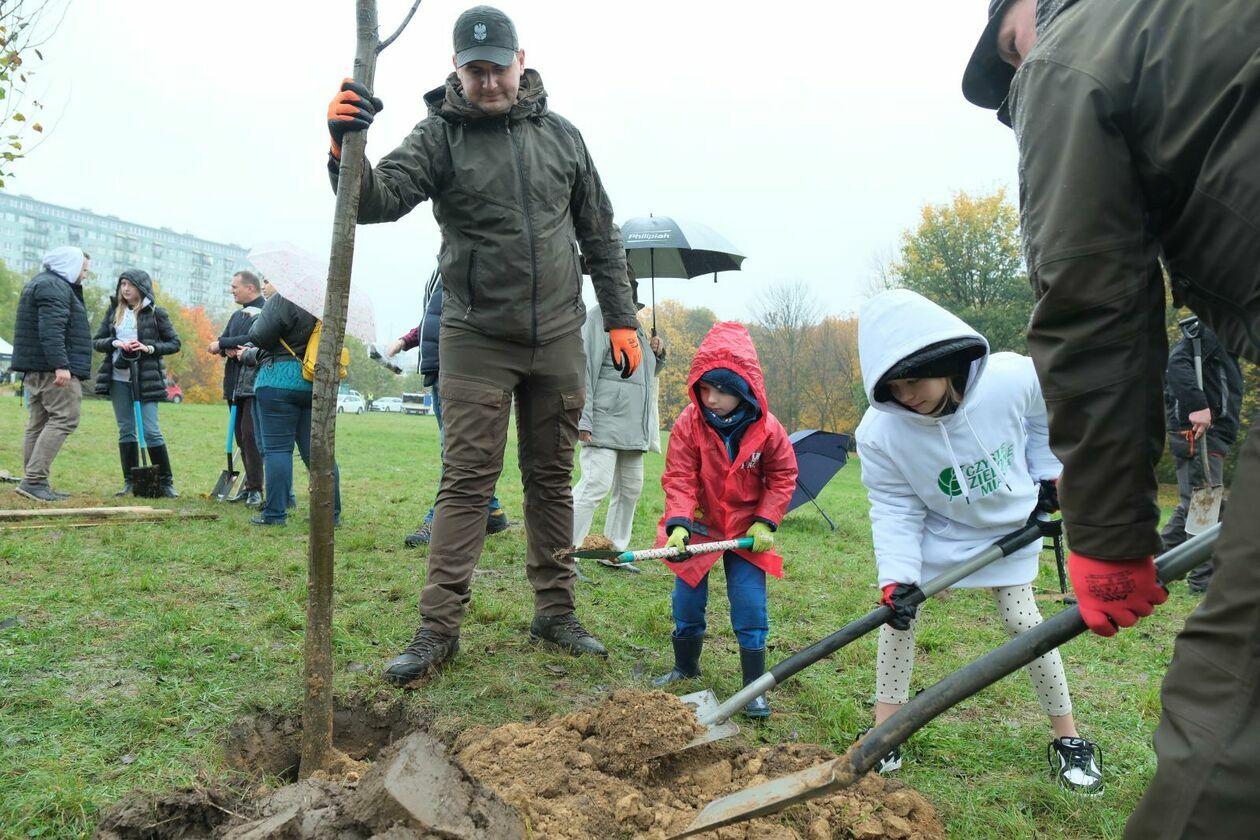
column 567, row 633
column 427, row 651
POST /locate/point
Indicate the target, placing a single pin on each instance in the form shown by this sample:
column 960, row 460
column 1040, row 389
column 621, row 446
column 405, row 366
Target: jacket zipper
column 529, row 231
column 577, row 268
column 472, row 271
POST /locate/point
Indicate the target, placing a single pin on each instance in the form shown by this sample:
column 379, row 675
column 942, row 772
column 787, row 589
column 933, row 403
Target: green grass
column 139, row 645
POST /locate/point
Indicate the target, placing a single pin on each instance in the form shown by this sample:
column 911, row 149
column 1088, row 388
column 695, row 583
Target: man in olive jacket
column 519, row 201
column 52, row 346
column 1138, row 136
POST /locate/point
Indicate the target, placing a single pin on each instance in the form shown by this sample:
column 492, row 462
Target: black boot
column 427, row 651
column 162, row 460
column 130, row 458
column 753, row 664
column 686, row 660
column 566, row 633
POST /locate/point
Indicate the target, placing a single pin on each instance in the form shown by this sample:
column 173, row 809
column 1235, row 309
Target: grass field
column 133, row 648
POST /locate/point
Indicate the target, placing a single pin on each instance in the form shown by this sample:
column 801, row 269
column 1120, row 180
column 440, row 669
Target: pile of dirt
column 588, row 774
column 598, row 542
column 596, row 772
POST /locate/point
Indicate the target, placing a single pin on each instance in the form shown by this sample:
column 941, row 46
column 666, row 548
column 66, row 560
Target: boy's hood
column 893, row 325
column 728, row 345
column 66, row 262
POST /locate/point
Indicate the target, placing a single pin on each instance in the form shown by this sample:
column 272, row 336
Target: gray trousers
column 53, row 415
column 481, row 378
column 1208, row 740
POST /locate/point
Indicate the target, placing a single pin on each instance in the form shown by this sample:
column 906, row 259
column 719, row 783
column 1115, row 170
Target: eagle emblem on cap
column 479, row 31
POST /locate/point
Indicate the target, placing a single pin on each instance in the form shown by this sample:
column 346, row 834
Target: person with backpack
column 134, row 335
column 283, row 396
column 1205, row 416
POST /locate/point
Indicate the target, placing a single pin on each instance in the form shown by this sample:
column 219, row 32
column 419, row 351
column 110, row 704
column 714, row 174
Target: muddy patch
column 586, row 774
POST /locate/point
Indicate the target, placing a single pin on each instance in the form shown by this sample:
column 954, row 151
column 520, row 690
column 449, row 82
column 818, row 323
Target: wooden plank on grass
column 42, row 513
column 113, row 520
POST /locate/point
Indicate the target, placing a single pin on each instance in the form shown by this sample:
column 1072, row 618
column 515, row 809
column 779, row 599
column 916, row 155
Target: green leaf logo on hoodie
column 982, row 477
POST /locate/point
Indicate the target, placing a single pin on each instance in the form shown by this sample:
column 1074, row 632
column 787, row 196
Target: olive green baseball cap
column 987, row 78
column 483, row 33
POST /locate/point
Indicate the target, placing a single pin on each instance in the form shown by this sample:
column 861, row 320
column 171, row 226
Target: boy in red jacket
column 729, row 472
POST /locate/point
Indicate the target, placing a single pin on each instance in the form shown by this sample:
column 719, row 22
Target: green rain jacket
column 1138, row 132
column 516, row 196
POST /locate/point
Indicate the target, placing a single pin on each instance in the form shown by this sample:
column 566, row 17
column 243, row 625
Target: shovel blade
column 704, row 702
column 223, row 487
column 595, row 554
column 1205, row 509
column 146, row 482
column 768, row 798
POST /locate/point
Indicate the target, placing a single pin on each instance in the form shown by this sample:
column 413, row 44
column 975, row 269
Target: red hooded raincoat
column 703, row 486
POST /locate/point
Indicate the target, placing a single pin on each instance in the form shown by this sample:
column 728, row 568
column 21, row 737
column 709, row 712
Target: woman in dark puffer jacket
column 134, row 329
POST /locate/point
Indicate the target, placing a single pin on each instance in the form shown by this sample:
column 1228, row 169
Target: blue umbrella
column 819, row 456
column 659, row 246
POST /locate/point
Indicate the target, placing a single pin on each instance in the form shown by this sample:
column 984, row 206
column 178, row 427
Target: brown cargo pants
column 1207, row 783
column 53, row 415
column 480, row 376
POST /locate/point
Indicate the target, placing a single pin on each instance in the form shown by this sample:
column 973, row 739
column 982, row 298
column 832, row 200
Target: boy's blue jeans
column 746, row 590
column 495, row 505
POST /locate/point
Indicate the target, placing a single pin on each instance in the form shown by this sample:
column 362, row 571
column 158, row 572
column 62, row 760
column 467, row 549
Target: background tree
column 682, row 330
column 833, row 394
column 785, row 320
column 199, row 374
column 965, row 255
column 367, row 376
column 25, row 27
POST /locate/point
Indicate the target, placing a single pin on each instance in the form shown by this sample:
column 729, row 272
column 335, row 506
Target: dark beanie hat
column 729, row 382
column 951, row 358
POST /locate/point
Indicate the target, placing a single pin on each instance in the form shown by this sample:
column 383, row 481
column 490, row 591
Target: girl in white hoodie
column 954, row 450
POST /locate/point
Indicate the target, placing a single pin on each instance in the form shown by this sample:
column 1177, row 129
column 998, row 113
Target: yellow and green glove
column 762, row 536
column 678, row 538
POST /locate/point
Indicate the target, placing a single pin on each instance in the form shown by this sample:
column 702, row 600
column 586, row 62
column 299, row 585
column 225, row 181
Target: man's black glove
column 352, row 109
column 896, row 595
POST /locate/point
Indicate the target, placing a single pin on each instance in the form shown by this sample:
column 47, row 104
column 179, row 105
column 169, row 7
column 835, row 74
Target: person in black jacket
column 238, row 381
column 52, row 346
column 284, row 398
column 134, row 336
column 425, row 336
column 1199, row 417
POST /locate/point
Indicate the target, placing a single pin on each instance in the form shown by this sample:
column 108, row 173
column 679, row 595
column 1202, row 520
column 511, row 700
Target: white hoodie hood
column 66, row 262
column 944, row 488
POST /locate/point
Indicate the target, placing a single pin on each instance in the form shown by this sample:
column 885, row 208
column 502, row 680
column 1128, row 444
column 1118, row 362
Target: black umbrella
column 659, row 246
column 819, row 456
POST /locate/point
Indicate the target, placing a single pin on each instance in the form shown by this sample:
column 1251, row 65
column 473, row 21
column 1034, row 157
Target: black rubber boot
column 753, row 664
column 162, row 460
column 130, row 457
column 686, row 660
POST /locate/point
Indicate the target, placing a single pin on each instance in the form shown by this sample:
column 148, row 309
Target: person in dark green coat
column 1138, row 124
column 519, row 202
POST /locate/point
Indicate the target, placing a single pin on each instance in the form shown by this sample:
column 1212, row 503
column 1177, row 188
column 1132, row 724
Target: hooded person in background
column 955, row 455
column 1138, row 132
column 52, row 346
column 517, row 198
column 134, row 336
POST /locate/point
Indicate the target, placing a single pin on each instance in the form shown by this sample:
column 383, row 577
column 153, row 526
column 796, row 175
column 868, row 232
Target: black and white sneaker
column 1076, row 764
column 888, row 763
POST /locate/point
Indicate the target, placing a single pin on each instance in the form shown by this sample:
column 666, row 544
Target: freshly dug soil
column 593, row 773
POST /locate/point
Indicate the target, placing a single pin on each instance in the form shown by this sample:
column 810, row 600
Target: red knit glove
column 1114, row 593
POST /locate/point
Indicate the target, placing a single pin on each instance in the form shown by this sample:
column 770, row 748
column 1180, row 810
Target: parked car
column 174, row 393
column 388, row 404
column 417, row 403
column 351, row 403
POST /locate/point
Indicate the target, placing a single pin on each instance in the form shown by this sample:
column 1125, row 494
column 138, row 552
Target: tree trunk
column 317, row 710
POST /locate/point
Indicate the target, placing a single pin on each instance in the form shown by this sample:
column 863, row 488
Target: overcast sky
column 809, row 133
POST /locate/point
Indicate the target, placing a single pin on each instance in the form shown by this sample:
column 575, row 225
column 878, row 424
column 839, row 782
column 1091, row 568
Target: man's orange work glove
column 1114, row 593
column 626, row 352
column 352, row 109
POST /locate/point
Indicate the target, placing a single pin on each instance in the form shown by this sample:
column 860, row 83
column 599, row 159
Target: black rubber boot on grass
column 753, row 664
column 129, row 456
column 686, row 660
